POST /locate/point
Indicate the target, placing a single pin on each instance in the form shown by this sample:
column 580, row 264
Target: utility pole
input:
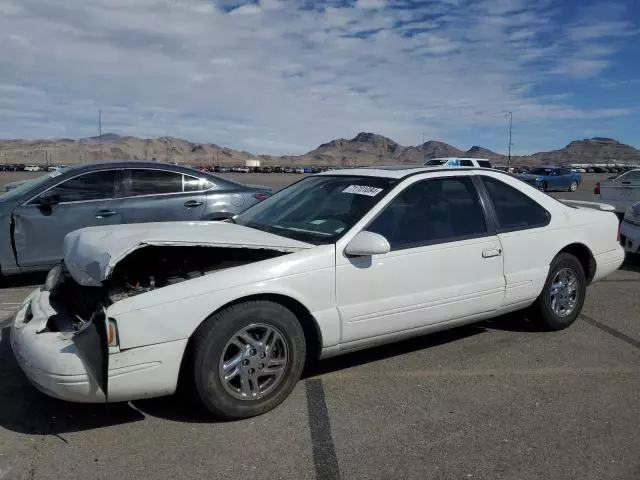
column 100, row 130
column 510, row 143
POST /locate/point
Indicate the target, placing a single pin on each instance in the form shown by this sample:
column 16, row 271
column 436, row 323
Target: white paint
column 356, row 302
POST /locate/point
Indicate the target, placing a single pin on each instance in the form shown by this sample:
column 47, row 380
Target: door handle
column 491, row 252
column 193, row 203
column 105, row 213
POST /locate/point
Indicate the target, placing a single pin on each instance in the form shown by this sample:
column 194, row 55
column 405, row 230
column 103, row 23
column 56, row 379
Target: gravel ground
column 495, row 400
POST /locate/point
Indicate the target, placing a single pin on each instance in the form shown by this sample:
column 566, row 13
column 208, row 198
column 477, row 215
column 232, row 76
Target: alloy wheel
column 564, row 292
column 253, row 362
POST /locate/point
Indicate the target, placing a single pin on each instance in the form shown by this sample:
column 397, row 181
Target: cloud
column 366, row 4
column 283, row 76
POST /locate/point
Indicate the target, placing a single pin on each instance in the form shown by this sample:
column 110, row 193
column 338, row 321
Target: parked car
column 32, row 168
column 36, row 215
column 331, row 264
column 266, row 169
column 298, row 170
column 242, row 169
column 621, row 191
column 287, row 170
column 630, row 229
column 459, row 162
column 12, row 185
column 552, row 178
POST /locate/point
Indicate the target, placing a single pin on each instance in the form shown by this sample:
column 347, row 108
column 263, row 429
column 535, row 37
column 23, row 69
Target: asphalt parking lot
column 495, row 400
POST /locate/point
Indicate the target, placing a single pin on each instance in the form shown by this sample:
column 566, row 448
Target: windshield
column 436, row 162
column 319, row 209
column 540, row 171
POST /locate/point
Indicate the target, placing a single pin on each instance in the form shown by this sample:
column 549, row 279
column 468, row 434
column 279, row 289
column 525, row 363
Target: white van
column 459, row 162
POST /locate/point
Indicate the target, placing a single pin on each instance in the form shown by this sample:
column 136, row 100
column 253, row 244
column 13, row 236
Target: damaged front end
column 81, row 310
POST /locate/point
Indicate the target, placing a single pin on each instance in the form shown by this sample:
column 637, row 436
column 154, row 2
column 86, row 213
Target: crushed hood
column 90, row 254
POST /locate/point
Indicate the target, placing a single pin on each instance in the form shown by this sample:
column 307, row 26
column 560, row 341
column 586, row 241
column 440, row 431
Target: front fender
column 174, row 312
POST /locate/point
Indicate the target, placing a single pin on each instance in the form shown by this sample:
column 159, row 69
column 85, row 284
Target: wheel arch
column 310, row 327
column 584, row 256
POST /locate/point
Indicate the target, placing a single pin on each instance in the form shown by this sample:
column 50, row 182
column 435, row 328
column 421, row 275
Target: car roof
column 397, row 171
column 459, row 158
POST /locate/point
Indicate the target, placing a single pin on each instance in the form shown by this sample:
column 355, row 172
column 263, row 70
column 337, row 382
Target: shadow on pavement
column 631, row 263
column 23, row 280
column 24, row 409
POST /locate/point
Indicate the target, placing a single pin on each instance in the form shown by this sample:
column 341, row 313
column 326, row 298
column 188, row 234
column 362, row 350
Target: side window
column 484, row 163
column 193, row 184
column 432, row 211
column 514, row 209
column 466, row 163
column 90, row 186
column 633, row 176
column 150, row 182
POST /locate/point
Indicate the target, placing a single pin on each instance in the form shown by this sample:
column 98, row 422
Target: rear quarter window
column 514, row 210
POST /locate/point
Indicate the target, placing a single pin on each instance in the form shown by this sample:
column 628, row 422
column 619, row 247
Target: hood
column 90, row 254
column 529, row 177
column 259, row 187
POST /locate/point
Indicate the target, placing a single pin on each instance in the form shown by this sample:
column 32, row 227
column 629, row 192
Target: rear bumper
column 51, row 362
column 608, row 262
column 630, row 237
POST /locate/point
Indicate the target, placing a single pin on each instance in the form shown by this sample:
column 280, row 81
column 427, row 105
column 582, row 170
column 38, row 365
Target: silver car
column 36, row 215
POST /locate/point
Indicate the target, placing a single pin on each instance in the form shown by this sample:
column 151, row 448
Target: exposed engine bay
column 146, row 269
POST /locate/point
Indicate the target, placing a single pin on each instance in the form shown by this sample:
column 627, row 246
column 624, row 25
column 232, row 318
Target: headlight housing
column 53, row 277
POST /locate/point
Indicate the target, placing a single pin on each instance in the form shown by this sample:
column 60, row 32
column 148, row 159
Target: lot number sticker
column 362, row 190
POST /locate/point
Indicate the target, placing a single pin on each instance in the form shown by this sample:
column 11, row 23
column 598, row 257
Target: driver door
column 445, row 263
column 82, row 201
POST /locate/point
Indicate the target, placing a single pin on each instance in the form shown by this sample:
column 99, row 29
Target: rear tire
column 563, row 294
column 573, row 187
column 248, row 358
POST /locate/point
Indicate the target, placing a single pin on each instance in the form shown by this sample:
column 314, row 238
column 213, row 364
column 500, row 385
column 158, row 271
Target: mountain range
column 363, row 149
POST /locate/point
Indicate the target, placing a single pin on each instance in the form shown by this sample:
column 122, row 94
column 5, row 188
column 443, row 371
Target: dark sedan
column 36, row 215
column 552, row 178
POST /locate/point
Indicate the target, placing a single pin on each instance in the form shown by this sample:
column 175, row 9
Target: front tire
column 248, row 358
column 563, row 294
column 542, row 186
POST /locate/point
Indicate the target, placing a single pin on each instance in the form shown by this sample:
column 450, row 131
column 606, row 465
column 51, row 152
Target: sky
column 283, row 76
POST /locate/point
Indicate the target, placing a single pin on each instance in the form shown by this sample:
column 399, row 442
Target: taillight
column 596, row 189
column 260, row 196
column 112, row 333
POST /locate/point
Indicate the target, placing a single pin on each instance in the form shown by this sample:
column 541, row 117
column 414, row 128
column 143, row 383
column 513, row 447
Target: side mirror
column 367, row 244
column 48, row 199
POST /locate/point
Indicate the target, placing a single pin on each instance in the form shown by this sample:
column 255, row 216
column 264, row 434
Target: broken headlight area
column 144, row 270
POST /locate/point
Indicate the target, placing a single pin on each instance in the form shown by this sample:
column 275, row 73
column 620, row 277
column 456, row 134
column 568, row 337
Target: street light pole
column 510, row 128
column 100, row 130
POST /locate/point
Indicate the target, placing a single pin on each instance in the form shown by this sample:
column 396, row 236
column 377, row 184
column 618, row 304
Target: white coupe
column 334, row 263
